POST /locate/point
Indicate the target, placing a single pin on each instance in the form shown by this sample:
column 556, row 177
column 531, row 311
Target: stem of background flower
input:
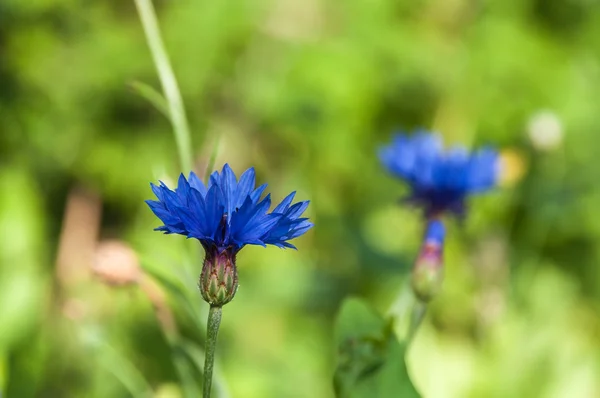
column 212, row 330
column 400, row 309
column 168, row 82
column 416, row 318
column 211, row 160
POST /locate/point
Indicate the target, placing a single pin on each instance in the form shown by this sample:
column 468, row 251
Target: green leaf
column 123, row 369
column 370, row 358
column 188, row 376
column 211, row 160
column 178, row 291
column 151, row 95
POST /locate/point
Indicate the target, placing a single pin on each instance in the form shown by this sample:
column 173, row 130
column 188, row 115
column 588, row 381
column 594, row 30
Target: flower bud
column 218, row 280
column 428, row 272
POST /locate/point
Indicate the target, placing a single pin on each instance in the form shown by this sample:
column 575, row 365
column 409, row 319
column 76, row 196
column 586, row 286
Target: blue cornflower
column 225, row 215
column 439, row 180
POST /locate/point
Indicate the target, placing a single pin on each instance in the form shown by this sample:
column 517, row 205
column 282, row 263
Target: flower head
column 225, row 215
column 439, row 180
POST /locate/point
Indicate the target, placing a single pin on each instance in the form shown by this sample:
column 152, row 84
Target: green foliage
column 370, row 358
column 305, row 91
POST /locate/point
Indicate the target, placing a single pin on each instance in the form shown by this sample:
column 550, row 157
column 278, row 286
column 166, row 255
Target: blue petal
column 296, row 210
column 300, row 230
column 197, row 183
column 483, row 170
column 157, row 191
column 214, row 179
column 183, row 189
column 159, row 210
column 240, row 218
column 198, row 208
column 285, row 203
column 229, row 186
column 170, row 198
column 191, row 222
column 245, row 186
column 260, row 226
column 259, row 209
column 452, row 171
column 214, row 209
column 257, row 192
column 287, row 244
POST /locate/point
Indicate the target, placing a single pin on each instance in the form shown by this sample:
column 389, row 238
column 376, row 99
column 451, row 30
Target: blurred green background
column 93, row 303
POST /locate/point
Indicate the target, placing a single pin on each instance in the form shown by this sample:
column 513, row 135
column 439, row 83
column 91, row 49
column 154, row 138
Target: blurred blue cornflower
column 439, row 180
column 225, row 215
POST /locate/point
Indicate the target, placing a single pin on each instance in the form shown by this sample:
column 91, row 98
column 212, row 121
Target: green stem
column 416, row 318
column 168, row 82
column 211, row 160
column 212, row 330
